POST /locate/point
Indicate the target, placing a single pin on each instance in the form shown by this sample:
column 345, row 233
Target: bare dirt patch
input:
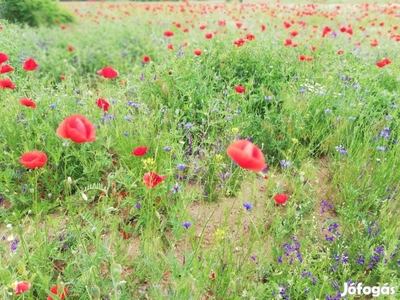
column 326, row 195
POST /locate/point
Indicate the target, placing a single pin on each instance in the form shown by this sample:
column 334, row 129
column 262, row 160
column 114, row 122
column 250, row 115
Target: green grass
column 86, row 220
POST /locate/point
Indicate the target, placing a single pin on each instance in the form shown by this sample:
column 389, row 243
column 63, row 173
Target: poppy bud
column 197, row 52
column 116, row 271
column 280, row 198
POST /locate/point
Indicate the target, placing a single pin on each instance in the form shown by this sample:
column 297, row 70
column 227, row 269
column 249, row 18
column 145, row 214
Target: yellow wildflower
column 219, row 234
column 148, row 162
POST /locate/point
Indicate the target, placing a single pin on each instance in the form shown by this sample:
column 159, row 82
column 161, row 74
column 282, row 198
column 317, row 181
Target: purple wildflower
column 285, row 164
column 247, row 205
column 176, row 188
column 14, row 245
column 189, row 126
column 385, row 132
column 181, row 167
column 186, row 224
column 373, row 229
column 381, row 148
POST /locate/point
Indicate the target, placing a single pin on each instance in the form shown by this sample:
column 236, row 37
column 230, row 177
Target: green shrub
column 34, row 12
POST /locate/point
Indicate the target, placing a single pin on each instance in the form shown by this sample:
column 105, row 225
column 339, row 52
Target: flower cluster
column 333, row 230
column 292, row 251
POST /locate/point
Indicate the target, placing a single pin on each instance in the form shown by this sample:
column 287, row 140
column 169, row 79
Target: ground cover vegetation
column 201, row 151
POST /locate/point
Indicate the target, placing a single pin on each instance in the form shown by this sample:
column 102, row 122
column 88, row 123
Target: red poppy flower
column 294, row 33
column 21, row 287
column 286, row 25
column 152, row 179
column 102, row 103
column 6, row 84
column 383, row 62
column 146, row 59
column 63, row 27
column 202, row 27
column 313, row 48
column 108, row 72
column 340, row 52
column 30, row 64
column 326, row 30
column 247, row 155
column 5, row 69
column 168, row 33
column 3, row 57
column 263, row 27
column 197, row 52
column 288, row 42
column 239, row 24
column 34, row 159
column 70, row 48
column 124, row 234
column 281, row 198
column 208, row 35
column 240, row 89
column 374, row 43
column 77, row 128
column 250, row 36
column 140, row 151
column 62, row 77
column 303, row 58
column 28, row 102
column 170, row 47
column 380, row 64
column 54, row 291
column 239, row 42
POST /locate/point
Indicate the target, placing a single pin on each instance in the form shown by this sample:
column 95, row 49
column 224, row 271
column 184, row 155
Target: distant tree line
column 131, row 0
column 118, row 0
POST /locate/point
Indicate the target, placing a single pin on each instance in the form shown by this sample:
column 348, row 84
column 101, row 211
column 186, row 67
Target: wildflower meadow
column 201, row 150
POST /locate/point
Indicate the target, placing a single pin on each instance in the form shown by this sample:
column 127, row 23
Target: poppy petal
column 247, row 155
